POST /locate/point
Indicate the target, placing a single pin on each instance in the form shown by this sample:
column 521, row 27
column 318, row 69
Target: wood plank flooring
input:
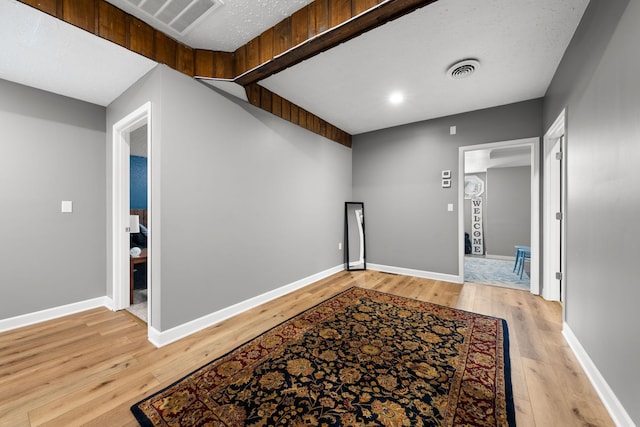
column 88, row 368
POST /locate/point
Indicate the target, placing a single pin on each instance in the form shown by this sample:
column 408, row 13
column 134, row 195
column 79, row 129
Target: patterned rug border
column 510, row 405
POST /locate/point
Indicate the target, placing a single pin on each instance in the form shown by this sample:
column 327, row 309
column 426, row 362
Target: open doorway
column 131, row 204
column 139, row 221
column 499, row 218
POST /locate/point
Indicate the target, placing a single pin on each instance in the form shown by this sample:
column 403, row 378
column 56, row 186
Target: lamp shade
column 134, row 223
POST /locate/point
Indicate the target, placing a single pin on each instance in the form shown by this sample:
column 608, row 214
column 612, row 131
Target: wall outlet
column 340, row 246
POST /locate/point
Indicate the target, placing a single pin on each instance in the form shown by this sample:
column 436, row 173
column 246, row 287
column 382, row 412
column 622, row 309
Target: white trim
column 617, row 412
column 160, row 339
column 550, row 285
column 415, row 273
column 153, row 230
column 53, row 313
column 120, row 150
column 534, row 143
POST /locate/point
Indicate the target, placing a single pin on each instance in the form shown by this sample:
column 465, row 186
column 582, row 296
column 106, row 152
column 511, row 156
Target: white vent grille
column 463, row 69
column 177, row 16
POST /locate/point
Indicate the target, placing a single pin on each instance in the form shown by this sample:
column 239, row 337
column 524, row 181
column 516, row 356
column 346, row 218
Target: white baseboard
column 416, row 273
column 162, row 338
column 54, row 313
column 617, row 412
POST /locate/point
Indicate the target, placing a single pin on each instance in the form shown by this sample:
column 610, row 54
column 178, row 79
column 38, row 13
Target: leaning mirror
column 354, row 251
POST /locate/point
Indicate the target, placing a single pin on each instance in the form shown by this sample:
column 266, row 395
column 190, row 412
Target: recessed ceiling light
column 396, row 98
column 463, row 69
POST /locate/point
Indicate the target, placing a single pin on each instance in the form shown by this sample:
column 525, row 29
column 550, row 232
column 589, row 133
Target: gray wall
column 51, row 149
column 597, row 82
column 396, row 173
column 508, row 210
column 138, row 142
column 248, row 202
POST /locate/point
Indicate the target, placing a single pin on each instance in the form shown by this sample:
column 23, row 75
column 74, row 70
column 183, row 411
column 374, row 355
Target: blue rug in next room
column 493, row 272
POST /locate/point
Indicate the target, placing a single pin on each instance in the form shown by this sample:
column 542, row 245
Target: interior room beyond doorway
column 497, row 215
column 138, row 205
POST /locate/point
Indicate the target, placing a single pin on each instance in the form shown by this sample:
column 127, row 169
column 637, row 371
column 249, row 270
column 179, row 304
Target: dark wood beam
column 317, row 21
column 275, row 104
column 319, row 26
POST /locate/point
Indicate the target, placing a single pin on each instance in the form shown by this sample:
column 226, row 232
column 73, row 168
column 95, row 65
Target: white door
column 554, row 211
column 554, row 218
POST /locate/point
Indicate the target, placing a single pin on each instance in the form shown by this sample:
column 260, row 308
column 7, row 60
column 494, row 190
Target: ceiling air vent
column 177, row 16
column 463, row 69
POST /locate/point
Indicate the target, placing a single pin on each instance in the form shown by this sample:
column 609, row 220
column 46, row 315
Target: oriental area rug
column 361, row 358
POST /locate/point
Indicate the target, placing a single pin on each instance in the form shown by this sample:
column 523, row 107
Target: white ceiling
column 477, row 161
column 41, row 51
column 519, row 44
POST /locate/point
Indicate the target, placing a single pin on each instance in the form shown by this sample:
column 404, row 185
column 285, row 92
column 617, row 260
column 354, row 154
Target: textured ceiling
column 519, row 44
column 233, row 24
column 41, row 51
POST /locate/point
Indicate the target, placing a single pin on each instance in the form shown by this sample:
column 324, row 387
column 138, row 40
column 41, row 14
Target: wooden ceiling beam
column 275, row 104
column 328, row 24
column 317, row 27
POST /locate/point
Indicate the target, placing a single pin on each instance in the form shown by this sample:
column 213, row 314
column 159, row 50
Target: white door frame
column 552, row 235
column 534, row 145
column 120, row 206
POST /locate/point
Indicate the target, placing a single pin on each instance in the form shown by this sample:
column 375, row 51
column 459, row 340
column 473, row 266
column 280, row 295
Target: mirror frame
column 348, row 267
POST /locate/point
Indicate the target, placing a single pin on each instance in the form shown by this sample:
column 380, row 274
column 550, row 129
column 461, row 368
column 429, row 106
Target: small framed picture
column 446, row 174
column 446, row 183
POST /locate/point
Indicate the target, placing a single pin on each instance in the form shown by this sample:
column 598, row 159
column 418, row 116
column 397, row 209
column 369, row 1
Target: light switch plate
column 66, row 206
column 450, row 207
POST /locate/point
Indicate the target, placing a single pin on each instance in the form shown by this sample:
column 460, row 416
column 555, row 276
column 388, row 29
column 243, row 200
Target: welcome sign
column 477, row 239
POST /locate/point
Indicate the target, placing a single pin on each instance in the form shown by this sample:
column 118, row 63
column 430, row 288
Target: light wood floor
column 87, row 369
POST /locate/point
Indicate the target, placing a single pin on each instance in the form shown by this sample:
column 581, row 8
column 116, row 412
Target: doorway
column 123, row 223
column 500, row 154
column 554, row 276
column 139, row 220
